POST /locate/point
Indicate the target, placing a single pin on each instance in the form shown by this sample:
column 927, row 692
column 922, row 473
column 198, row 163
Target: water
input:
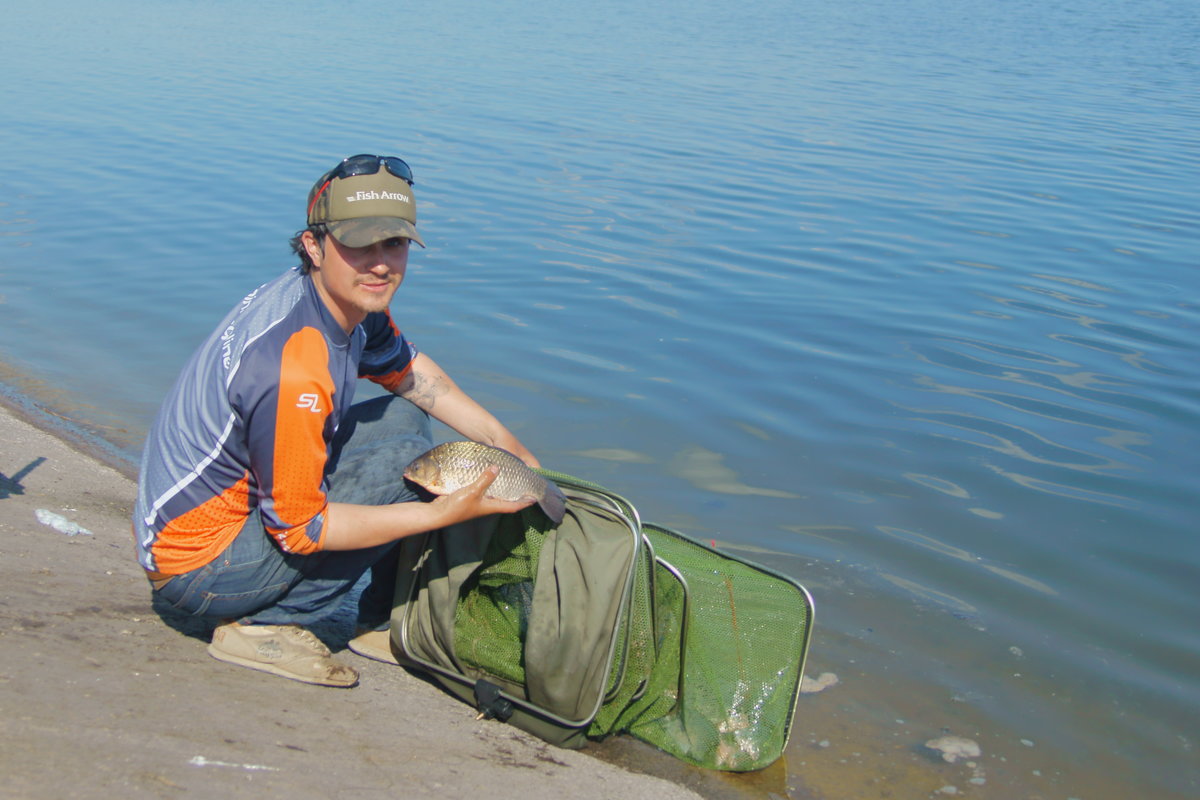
column 897, row 298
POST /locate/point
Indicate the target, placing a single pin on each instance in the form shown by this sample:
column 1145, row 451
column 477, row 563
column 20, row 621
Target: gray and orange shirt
column 249, row 424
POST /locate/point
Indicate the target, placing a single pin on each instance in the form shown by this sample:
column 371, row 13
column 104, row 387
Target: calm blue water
column 899, row 298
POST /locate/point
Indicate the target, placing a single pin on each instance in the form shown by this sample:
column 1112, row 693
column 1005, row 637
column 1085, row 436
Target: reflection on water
column 897, row 300
column 704, row 470
column 927, row 593
column 586, row 359
column 1063, row 489
column 923, row 540
column 616, row 454
column 939, row 484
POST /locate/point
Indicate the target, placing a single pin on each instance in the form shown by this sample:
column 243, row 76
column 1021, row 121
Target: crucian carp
column 453, row 465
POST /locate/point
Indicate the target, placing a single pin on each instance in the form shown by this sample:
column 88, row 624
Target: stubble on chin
column 373, row 303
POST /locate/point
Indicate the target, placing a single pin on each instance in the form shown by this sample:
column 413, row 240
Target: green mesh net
column 492, row 618
column 746, row 635
column 701, row 656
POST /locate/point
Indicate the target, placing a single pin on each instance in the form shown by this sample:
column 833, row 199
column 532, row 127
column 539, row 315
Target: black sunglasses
column 366, row 164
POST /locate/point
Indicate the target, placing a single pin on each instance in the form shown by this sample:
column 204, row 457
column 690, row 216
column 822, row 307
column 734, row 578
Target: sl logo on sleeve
column 310, row 401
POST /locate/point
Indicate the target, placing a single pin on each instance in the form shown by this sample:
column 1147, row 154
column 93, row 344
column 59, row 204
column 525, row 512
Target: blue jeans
column 255, row 582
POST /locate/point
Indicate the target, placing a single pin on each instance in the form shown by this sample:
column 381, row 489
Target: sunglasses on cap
column 366, row 164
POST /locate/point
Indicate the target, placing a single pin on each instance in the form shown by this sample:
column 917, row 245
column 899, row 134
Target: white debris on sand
column 60, row 523
column 820, row 683
column 953, row 748
column 201, row 761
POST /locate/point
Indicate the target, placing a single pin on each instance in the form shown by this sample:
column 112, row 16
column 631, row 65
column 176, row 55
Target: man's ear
column 314, row 249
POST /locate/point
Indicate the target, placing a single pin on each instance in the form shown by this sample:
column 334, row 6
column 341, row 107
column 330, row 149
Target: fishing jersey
column 249, row 425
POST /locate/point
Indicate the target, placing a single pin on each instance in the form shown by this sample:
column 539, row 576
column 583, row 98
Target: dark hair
column 319, row 232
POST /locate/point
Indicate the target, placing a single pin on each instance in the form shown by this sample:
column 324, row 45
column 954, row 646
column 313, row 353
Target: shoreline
column 78, row 435
column 106, row 694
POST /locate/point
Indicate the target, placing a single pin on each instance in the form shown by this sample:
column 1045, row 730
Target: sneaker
column 286, row 650
column 374, row 644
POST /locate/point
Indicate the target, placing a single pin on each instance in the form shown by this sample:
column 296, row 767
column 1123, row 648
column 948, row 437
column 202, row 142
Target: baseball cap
column 366, row 199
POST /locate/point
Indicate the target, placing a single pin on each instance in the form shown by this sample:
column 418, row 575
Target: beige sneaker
column 376, row 645
column 286, row 650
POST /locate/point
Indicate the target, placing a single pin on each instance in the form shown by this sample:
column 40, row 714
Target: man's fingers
column 490, row 473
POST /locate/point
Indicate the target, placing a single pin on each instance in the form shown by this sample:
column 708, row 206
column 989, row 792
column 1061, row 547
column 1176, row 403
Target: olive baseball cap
column 360, row 210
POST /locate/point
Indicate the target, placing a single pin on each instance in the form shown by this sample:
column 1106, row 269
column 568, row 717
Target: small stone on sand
column 813, row 685
column 953, row 748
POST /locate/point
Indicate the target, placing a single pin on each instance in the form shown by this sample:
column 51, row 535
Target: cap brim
column 369, row 230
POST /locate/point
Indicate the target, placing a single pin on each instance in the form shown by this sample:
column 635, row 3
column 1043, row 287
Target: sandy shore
column 102, row 695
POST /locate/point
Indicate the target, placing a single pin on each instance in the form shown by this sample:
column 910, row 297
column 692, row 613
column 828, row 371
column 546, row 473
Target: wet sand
column 102, row 695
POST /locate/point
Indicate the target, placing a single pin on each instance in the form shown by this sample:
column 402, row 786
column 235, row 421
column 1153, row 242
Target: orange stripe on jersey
column 392, row 380
column 194, row 539
column 305, row 402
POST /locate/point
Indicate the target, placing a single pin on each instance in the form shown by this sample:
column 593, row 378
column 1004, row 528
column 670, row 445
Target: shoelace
column 310, row 639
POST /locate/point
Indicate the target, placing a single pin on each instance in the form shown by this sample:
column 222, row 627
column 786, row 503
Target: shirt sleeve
column 288, row 438
column 387, row 355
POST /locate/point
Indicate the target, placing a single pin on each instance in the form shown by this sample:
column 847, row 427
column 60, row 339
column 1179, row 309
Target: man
column 264, row 495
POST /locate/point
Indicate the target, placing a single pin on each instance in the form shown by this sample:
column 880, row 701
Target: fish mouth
column 432, row 488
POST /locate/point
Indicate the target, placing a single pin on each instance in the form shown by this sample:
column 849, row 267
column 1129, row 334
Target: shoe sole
column 274, row 670
column 375, row 645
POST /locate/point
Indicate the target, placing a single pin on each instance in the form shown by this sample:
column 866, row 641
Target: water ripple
column 898, row 295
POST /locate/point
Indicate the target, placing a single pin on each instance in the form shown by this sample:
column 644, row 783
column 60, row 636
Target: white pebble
column 953, row 748
column 1027, row 743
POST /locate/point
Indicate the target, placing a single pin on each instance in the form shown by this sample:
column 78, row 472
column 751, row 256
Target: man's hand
column 472, row 501
column 351, row 527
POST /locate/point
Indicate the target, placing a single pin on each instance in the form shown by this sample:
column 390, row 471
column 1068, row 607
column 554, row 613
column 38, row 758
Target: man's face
column 354, row 281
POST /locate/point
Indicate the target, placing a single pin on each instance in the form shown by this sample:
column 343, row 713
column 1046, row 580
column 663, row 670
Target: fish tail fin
column 554, row 503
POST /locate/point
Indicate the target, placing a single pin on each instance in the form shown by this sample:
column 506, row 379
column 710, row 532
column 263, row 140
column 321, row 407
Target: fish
column 452, row 465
